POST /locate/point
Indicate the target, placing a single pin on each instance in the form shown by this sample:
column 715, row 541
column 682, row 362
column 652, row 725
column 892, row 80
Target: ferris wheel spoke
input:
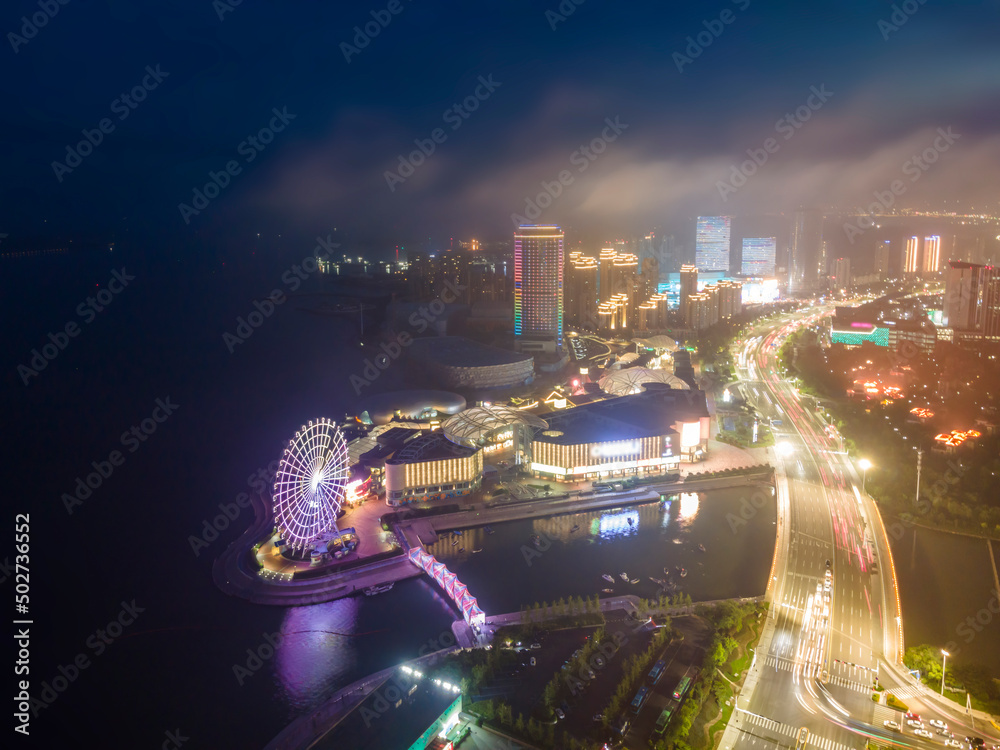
column 310, row 485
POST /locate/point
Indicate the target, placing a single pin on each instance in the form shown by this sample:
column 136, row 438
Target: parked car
column 560, row 714
column 891, row 725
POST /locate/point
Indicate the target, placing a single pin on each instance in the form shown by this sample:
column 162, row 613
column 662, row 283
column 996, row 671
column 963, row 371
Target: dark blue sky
column 686, row 129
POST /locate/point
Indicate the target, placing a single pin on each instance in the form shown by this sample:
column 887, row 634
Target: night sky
column 557, row 78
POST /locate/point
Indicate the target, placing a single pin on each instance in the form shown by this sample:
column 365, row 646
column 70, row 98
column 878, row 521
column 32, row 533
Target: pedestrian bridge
column 447, row 580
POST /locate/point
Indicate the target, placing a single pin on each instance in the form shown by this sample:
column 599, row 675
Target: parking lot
column 523, row 686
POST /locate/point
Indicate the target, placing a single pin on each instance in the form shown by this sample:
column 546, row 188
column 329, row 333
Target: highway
column 835, row 622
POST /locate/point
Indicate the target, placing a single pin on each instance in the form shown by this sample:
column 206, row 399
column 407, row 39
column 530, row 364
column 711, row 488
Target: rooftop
column 645, row 414
column 432, row 447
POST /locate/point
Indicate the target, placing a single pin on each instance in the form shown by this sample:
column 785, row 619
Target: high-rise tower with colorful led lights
column 538, row 288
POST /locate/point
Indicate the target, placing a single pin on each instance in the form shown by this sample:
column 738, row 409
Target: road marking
column 770, row 724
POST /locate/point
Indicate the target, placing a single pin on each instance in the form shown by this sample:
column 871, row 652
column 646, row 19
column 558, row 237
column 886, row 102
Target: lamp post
column 865, row 465
column 944, row 666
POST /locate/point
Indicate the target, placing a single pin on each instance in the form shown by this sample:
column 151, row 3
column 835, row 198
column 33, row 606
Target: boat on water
column 576, row 527
column 684, row 572
column 630, row 521
column 461, row 550
column 379, row 589
column 608, row 591
column 658, row 581
column 634, row 581
column 623, row 576
column 488, row 529
column 454, row 542
column 701, row 547
column 456, row 532
column 476, row 551
column 536, row 540
column 666, row 571
column 608, row 578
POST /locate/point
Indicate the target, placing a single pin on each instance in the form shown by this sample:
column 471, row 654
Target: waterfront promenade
column 237, row 574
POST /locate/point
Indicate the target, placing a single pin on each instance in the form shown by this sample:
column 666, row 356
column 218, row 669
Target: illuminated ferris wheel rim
column 310, row 483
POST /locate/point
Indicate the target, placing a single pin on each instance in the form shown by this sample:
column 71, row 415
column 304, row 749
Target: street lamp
column 944, row 666
column 865, row 465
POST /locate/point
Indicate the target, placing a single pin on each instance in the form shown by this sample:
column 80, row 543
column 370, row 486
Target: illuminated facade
column 645, row 433
column 911, row 260
column 712, row 243
column 932, row 254
column 432, row 467
column 688, row 286
column 758, row 256
column 581, row 290
column 650, row 455
column 538, row 288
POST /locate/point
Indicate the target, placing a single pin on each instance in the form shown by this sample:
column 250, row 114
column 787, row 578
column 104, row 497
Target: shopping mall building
column 650, row 432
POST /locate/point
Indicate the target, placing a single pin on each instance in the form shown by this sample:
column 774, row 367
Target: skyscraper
column 806, row 251
column 842, row 273
column 882, row 259
column 538, row 288
column 607, row 261
column 911, row 261
column 581, row 290
column 932, row 254
column 758, row 256
column 972, row 299
column 712, row 243
column 689, row 286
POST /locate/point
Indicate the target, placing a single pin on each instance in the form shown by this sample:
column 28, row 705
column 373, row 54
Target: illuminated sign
column 607, row 450
column 498, row 446
column 690, row 434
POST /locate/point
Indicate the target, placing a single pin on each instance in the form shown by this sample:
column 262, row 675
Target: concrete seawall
column 235, row 574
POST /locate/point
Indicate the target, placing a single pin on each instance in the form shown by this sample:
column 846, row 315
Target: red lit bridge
column 447, row 580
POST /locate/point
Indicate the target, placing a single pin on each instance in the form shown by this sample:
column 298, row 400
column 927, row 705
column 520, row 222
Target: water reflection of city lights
column 617, row 524
column 688, row 505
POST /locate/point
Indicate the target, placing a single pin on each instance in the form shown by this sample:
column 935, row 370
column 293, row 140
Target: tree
column 551, row 693
column 519, row 724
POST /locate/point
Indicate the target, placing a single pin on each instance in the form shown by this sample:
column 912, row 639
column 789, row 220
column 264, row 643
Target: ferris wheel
column 310, row 483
